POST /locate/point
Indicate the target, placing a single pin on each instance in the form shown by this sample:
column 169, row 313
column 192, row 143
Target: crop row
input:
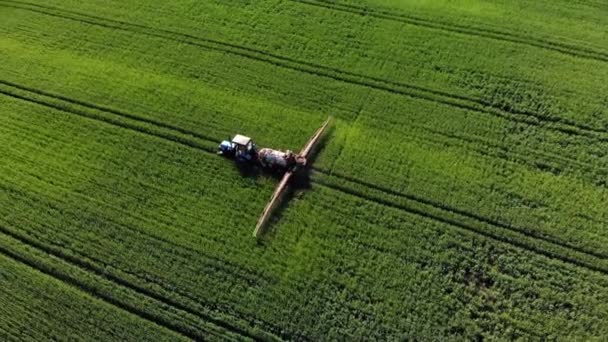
column 494, row 222
column 96, row 249
column 543, row 159
column 126, row 277
column 416, row 55
column 118, row 118
column 72, row 271
column 91, row 192
column 113, row 178
column 530, row 156
column 561, row 124
column 348, row 300
column 497, row 224
column 558, row 163
column 448, row 121
column 502, row 35
column 526, row 239
column 372, row 253
column 444, row 117
column 553, row 204
column 338, row 282
column 192, row 246
column 521, row 139
column 175, row 102
column 76, row 211
column 31, row 298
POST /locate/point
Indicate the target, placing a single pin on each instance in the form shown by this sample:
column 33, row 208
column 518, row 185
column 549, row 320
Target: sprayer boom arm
column 283, row 187
column 274, row 202
column 312, row 143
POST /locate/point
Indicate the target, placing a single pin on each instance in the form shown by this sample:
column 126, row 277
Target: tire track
column 569, row 49
column 98, row 271
column 558, row 124
column 423, row 201
column 274, row 329
column 549, row 253
column 102, row 270
column 562, row 161
column 445, row 208
column 113, row 122
column 99, row 295
column 516, row 241
column 106, row 109
column 536, row 159
column 382, row 189
column 248, row 276
column 218, row 265
column 96, row 293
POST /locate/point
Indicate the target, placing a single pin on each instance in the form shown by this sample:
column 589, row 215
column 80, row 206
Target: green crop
column 461, row 193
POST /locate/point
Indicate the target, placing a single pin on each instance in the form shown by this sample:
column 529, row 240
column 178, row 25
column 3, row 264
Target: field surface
column 462, row 192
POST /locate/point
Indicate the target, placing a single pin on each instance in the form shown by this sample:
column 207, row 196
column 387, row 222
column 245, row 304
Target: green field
column 461, row 194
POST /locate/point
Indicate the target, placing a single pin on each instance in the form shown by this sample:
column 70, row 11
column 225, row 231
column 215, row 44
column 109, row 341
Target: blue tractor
column 241, row 148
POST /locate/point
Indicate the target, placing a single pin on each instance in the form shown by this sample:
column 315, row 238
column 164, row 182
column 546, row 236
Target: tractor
column 243, row 150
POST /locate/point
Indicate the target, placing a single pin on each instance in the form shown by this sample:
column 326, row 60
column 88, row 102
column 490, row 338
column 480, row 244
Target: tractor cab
column 240, row 147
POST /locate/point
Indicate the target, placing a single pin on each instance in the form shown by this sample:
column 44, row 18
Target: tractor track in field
column 502, row 152
column 249, row 277
column 97, row 294
column 80, row 285
column 217, row 265
column 369, row 185
column 109, row 110
column 439, row 206
column 528, row 232
column 535, row 159
column 66, row 105
column 118, row 280
column 114, row 122
column 75, row 284
column 561, row 160
column 246, row 276
column 248, row 280
column 562, row 125
column 90, row 265
column 515, row 242
column 99, row 271
column 569, row 49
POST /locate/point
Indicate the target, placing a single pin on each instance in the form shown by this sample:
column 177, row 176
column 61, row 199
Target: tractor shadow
column 255, row 172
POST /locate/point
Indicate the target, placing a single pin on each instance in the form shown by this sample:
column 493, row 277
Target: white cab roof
column 241, row 140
